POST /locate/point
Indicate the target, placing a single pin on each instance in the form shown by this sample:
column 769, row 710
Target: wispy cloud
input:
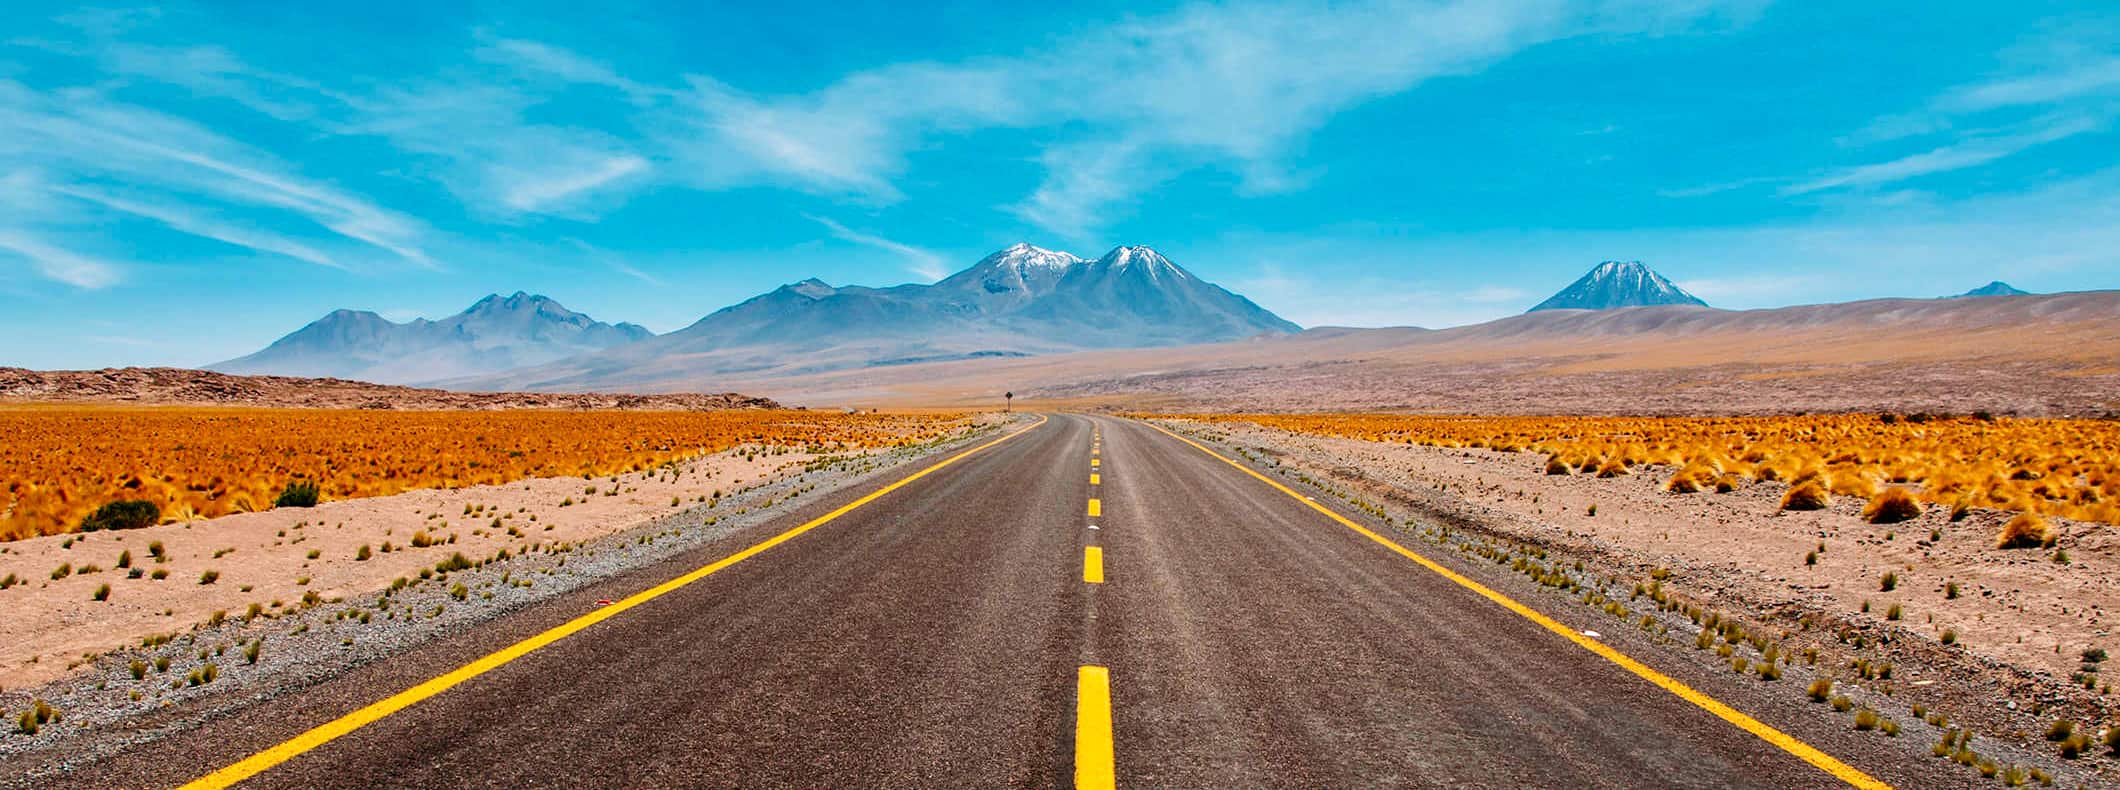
column 921, row 262
column 1971, row 152
column 171, row 170
column 1229, row 86
column 204, row 226
column 63, row 265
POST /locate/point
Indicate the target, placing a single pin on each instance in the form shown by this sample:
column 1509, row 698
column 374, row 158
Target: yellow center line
column 1782, row 740
column 1093, row 730
column 332, row 730
column 1094, row 463
column 1094, row 479
column 1093, row 564
column 1096, row 508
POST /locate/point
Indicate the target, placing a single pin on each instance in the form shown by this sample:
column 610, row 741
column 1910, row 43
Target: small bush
column 1820, row 690
column 363, row 553
column 1888, row 582
column 1950, row 637
column 2026, row 531
column 64, row 570
column 300, row 493
column 102, row 593
column 1556, row 466
column 1809, row 495
column 1613, row 468
column 250, row 654
column 1842, row 704
column 1866, row 719
column 1687, row 481
column 159, row 574
column 2060, row 730
column 209, row 577
column 1891, row 506
column 123, row 514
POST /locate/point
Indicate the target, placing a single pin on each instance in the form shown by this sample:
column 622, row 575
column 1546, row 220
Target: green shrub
column 300, row 493
column 123, row 514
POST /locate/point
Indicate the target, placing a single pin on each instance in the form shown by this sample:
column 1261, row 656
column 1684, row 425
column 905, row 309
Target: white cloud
column 174, row 172
column 1232, row 86
column 2097, row 77
column 63, row 265
column 199, row 224
column 1956, row 156
column 538, row 192
column 924, row 263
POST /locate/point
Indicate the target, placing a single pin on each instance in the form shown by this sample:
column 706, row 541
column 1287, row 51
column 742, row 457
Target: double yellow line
column 336, row 728
column 1784, row 741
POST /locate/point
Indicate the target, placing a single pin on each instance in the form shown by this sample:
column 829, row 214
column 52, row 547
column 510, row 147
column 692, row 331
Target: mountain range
column 1020, row 301
column 495, row 334
column 1023, row 301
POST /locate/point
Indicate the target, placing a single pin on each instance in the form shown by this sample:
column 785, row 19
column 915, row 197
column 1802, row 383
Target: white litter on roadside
column 1593, row 635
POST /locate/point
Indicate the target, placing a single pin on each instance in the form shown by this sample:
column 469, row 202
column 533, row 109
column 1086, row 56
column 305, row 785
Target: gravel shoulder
column 2019, row 626
column 295, row 603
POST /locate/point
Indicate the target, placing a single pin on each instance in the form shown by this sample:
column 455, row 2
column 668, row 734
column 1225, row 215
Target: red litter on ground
column 603, row 602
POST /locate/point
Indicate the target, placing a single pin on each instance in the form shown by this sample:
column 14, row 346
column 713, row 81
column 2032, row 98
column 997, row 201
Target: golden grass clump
column 2026, row 531
column 1891, row 506
column 58, row 464
column 1809, row 495
column 1692, row 479
column 1556, row 466
column 2064, row 468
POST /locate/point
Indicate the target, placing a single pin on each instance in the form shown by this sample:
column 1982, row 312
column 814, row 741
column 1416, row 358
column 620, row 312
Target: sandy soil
column 274, row 558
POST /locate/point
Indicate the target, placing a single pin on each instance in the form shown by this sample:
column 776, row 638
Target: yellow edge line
column 1093, row 564
column 1784, row 741
column 331, row 730
column 1093, row 730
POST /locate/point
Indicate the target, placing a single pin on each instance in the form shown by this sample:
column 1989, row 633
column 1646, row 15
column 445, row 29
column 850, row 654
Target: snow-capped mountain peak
column 1024, row 255
column 1618, row 284
column 1125, row 258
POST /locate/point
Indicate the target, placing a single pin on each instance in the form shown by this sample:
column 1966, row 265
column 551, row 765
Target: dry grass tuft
column 1891, row 506
column 2026, row 531
column 1809, row 495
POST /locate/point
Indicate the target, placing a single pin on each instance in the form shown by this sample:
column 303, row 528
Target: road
column 1091, row 602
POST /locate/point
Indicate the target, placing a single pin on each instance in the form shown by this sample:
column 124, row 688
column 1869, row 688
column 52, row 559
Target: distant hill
column 1996, row 288
column 180, row 386
column 497, row 333
column 1020, row 301
column 1618, row 284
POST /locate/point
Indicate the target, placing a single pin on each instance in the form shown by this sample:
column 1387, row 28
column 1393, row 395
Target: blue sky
column 182, row 184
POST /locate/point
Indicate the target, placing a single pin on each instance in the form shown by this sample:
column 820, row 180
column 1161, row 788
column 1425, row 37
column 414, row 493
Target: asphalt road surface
column 1090, row 603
